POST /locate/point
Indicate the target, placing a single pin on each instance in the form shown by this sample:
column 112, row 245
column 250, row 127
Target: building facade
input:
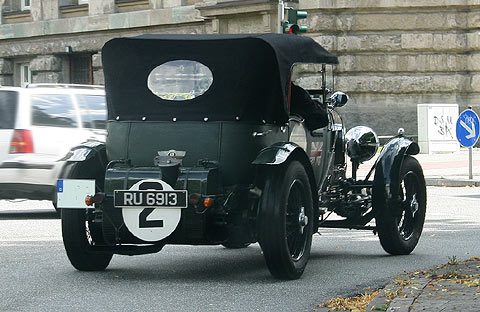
column 394, row 54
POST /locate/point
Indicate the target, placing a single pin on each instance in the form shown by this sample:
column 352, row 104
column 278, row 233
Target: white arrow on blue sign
column 468, row 128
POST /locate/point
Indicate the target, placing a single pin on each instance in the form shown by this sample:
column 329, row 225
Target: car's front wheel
column 286, row 220
column 399, row 221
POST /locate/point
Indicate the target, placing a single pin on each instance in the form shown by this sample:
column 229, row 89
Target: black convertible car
column 231, row 140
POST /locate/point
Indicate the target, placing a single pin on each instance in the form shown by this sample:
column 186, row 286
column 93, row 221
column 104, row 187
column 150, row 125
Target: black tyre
column 77, row 237
column 400, row 222
column 54, row 204
column 286, row 220
column 78, row 229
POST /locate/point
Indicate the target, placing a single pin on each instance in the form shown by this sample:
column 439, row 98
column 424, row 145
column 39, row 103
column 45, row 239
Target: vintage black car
column 231, row 140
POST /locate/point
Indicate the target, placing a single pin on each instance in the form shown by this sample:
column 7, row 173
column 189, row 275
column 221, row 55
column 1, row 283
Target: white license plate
column 71, row 193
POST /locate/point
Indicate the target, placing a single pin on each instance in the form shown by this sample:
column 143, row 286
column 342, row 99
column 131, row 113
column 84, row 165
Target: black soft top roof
column 250, row 72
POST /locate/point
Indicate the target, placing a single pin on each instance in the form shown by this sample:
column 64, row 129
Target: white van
column 39, row 124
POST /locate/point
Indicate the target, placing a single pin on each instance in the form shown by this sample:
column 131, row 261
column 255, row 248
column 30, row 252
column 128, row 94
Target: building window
column 81, row 71
column 25, row 4
column 25, row 75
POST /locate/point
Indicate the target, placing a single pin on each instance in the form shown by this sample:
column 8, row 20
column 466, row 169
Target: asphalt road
column 35, row 274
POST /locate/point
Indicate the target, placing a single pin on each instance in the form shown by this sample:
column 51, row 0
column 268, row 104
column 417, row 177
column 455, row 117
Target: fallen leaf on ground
column 354, row 304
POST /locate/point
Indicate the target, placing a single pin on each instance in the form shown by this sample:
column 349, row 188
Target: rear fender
column 88, row 159
column 388, row 164
column 283, row 152
column 87, row 150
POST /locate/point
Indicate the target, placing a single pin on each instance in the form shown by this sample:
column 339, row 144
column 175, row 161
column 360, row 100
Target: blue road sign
column 468, row 128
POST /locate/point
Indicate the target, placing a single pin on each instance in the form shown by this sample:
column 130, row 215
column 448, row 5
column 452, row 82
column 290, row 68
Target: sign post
column 468, row 131
column 280, row 16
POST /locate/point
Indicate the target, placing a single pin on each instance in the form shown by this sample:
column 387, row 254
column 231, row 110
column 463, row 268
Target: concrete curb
column 28, row 214
column 451, row 182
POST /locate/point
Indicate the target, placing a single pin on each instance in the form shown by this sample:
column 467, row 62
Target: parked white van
column 39, row 124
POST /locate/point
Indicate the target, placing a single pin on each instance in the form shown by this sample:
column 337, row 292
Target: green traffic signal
column 291, row 25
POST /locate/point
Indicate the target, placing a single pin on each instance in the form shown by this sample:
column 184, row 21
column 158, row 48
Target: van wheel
column 400, row 222
column 58, row 210
column 286, row 220
column 78, row 235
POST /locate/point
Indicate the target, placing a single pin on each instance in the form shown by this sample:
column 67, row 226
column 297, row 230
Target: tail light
column 21, row 142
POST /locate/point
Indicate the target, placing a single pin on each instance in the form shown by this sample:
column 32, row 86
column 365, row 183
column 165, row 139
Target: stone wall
column 49, row 35
column 47, row 40
column 395, row 54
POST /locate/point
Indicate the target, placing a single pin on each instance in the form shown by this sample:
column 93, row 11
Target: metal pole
column 470, row 163
column 470, row 158
column 280, row 16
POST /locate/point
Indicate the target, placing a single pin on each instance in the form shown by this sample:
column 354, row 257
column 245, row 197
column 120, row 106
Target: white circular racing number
column 151, row 224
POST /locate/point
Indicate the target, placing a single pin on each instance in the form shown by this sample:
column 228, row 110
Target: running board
column 342, row 224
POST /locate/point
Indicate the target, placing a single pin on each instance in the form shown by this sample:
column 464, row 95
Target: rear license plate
column 150, row 198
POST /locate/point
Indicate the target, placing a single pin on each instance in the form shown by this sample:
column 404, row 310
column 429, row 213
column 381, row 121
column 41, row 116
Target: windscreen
column 8, row 109
column 309, row 77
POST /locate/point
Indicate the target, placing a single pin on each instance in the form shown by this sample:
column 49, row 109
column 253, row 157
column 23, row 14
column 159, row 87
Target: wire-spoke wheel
column 286, row 220
column 400, row 220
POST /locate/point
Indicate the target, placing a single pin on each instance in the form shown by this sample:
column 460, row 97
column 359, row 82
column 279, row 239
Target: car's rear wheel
column 400, row 221
column 78, row 235
column 78, row 229
column 286, row 220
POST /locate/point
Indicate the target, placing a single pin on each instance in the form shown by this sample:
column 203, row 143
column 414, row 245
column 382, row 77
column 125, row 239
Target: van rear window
column 54, row 110
column 8, row 109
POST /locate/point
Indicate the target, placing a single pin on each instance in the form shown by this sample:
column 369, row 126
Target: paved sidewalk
column 446, row 169
column 451, row 287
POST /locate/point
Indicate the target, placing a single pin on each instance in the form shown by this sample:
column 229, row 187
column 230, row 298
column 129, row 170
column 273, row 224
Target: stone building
column 394, row 54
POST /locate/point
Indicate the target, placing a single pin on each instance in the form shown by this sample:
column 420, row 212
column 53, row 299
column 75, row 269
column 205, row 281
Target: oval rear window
column 180, row 80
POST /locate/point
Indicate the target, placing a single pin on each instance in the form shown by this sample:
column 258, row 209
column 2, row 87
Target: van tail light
column 21, row 142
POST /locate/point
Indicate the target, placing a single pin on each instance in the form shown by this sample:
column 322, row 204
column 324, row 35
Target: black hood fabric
column 250, row 75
